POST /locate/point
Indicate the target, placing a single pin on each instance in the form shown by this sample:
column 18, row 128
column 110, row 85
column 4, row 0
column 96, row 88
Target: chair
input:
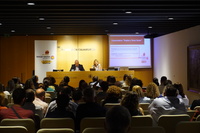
column 91, row 122
column 168, row 122
column 13, row 129
column 57, row 123
column 198, row 118
column 56, row 130
column 139, row 121
column 144, row 129
column 27, row 123
column 145, row 106
column 109, row 105
column 94, row 130
column 191, row 113
column 188, row 126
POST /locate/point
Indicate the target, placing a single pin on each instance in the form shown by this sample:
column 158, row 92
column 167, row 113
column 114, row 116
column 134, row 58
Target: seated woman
column 152, row 91
column 131, row 102
column 2, row 101
column 97, row 66
column 138, row 90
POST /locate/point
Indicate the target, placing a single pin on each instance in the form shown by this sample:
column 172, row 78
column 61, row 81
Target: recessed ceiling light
column 137, row 33
column 0, row 23
column 150, row 27
column 170, row 18
column 115, row 23
column 12, row 31
column 128, row 12
column 52, row 33
column 41, row 19
column 48, row 28
column 30, row 4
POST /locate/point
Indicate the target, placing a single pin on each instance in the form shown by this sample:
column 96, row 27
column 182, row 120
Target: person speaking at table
column 77, row 67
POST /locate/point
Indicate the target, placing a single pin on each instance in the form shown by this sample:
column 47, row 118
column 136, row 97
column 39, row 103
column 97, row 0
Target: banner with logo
column 45, row 57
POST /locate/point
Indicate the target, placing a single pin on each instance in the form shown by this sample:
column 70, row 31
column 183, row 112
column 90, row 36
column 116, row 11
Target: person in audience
column 155, row 80
column 111, row 80
column 118, row 120
column 28, row 104
column 127, row 82
column 97, row 65
column 142, row 98
column 82, row 85
column 77, row 97
column 72, row 106
column 131, row 102
column 95, row 82
column 163, row 83
column 10, row 86
column 136, row 81
column 2, row 101
column 152, row 91
column 194, row 104
column 60, row 111
column 167, row 105
column 65, row 82
column 181, row 94
column 35, row 81
column 29, row 84
column 114, row 95
column 40, row 99
column 46, row 84
column 53, row 84
column 77, row 67
column 124, row 78
column 90, row 108
column 16, row 111
column 102, row 92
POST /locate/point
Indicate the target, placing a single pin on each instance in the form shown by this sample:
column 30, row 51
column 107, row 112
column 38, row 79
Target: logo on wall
column 46, row 58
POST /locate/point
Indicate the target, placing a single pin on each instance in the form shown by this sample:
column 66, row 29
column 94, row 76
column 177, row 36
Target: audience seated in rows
column 181, row 94
column 142, row 98
column 131, row 102
column 101, row 93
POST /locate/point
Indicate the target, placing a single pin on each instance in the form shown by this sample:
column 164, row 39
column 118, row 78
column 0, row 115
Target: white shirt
column 166, row 106
column 39, row 102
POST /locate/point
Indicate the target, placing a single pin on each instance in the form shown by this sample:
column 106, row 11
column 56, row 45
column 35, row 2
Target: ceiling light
column 48, row 28
column 41, row 19
column 170, row 18
column 30, row 4
column 128, row 12
column 52, row 33
column 0, row 23
column 115, row 23
column 12, row 31
column 137, row 33
column 150, row 27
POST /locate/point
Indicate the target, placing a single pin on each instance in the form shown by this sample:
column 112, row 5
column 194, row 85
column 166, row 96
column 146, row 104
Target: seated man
column 16, row 111
column 77, row 67
column 167, row 105
column 118, row 120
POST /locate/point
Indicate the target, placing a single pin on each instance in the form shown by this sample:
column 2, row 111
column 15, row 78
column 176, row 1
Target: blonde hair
column 137, row 89
column 2, row 98
column 96, row 61
column 152, row 90
column 128, row 80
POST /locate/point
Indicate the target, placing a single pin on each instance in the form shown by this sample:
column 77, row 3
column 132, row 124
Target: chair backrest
column 27, row 123
column 57, row 123
column 13, row 129
column 139, row 121
column 191, row 113
column 198, row 118
column 188, row 126
column 89, row 122
column 109, row 105
column 56, row 130
column 94, row 130
column 152, row 129
column 168, row 122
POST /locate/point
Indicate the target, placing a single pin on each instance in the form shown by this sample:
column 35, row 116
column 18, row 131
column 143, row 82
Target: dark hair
column 155, row 80
column 18, row 95
column 95, row 78
column 124, row 77
column 118, row 119
column 179, row 87
column 163, row 80
column 66, row 79
column 111, row 80
column 62, row 101
column 104, row 86
column 170, row 90
column 30, row 95
column 134, row 82
column 77, row 95
column 88, row 95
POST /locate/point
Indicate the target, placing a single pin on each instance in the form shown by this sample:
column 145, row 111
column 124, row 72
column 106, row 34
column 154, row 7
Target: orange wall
column 17, row 55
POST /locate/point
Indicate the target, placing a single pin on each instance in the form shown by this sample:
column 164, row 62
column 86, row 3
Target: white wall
column 170, row 56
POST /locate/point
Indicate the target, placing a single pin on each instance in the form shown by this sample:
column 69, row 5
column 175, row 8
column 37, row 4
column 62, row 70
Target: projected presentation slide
column 133, row 51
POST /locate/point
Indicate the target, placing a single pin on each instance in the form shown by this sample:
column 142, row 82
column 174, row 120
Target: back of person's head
column 19, row 96
column 35, row 78
column 66, row 79
column 114, row 92
column 131, row 102
column 104, row 86
column 2, row 98
column 152, row 90
column 155, row 80
column 16, row 80
column 124, row 77
column 88, row 95
column 29, row 84
column 170, row 90
column 62, row 100
column 30, row 95
column 66, row 91
column 111, row 80
column 77, row 95
column 40, row 93
column 46, row 83
column 1, row 87
column 179, row 87
column 163, row 80
column 118, row 120
column 128, row 80
column 135, row 81
column 95, row 78
column 10, row 85
column 137, row 89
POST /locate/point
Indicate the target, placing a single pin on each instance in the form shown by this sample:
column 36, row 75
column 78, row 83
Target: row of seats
column 168, row 122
